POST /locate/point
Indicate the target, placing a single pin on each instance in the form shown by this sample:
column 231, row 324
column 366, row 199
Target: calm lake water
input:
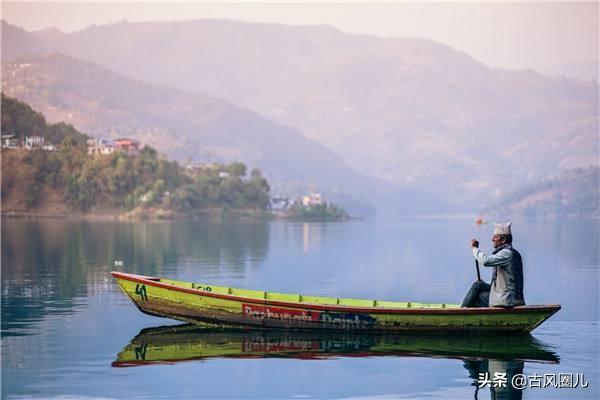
column 68, row 331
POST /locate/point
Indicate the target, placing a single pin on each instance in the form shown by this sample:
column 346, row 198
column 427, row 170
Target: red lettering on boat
column 265, row 312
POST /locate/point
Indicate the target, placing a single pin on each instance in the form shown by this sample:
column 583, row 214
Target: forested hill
column 574, row 193
column 68, row 180
column 19, row 119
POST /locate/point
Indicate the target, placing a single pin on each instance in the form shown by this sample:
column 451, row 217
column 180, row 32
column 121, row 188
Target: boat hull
column 261, row 310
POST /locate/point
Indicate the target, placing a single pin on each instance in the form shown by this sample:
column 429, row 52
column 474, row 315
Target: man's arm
column 495, row 260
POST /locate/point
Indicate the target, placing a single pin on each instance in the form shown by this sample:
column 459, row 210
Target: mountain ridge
column 17, row 42
column 411, row 112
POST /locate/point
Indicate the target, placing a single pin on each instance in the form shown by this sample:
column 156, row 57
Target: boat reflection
column 171, row 344
column 482, row 355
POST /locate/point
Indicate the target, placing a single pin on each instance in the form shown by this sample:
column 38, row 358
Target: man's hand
column 474, row 243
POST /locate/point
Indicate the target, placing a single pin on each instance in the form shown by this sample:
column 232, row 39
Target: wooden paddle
column 475, row 243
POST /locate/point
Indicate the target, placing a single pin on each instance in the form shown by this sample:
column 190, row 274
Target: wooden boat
column 181, row 343
column 201, row 304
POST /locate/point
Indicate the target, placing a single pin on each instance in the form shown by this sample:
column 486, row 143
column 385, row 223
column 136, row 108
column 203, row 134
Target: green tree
column 19, row 119
column 236, row 169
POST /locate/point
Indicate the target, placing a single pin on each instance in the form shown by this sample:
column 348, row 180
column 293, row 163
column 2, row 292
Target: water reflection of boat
column 171, row 344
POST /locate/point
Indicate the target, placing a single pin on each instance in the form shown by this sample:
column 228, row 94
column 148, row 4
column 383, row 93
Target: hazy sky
column 500, row 34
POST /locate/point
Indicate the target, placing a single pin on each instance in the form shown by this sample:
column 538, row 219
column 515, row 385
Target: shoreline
column 242, row 214
column 233, row 214
column 140, row 215
column 154, row 215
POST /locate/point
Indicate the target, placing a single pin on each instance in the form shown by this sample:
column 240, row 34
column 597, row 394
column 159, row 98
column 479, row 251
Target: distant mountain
column 17, row 42
column 574, row 192
column 189, row 127
column 409, row 111
column 585, row 71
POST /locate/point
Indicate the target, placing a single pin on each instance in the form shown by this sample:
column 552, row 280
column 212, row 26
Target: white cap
column 502, row 229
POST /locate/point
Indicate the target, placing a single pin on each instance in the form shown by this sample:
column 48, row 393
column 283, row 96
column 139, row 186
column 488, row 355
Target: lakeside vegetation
column 124, row 182
column 317, row 212
column 114, row 182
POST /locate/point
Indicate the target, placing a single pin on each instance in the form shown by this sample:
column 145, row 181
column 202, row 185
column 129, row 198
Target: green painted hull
column 172, row 344
column 227, row 307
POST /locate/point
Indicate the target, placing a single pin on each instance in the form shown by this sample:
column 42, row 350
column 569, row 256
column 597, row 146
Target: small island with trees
column 312, row 207
column 54, row 170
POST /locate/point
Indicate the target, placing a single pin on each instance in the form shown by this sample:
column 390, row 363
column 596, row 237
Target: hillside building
column 312, row 199
column 10, row 142
column 279, row 203
column 128, row 146
column 108, row 146
column 100, row 146
column 37, row 142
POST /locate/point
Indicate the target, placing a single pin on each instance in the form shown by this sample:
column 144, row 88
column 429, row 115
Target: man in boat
column 506, row 288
